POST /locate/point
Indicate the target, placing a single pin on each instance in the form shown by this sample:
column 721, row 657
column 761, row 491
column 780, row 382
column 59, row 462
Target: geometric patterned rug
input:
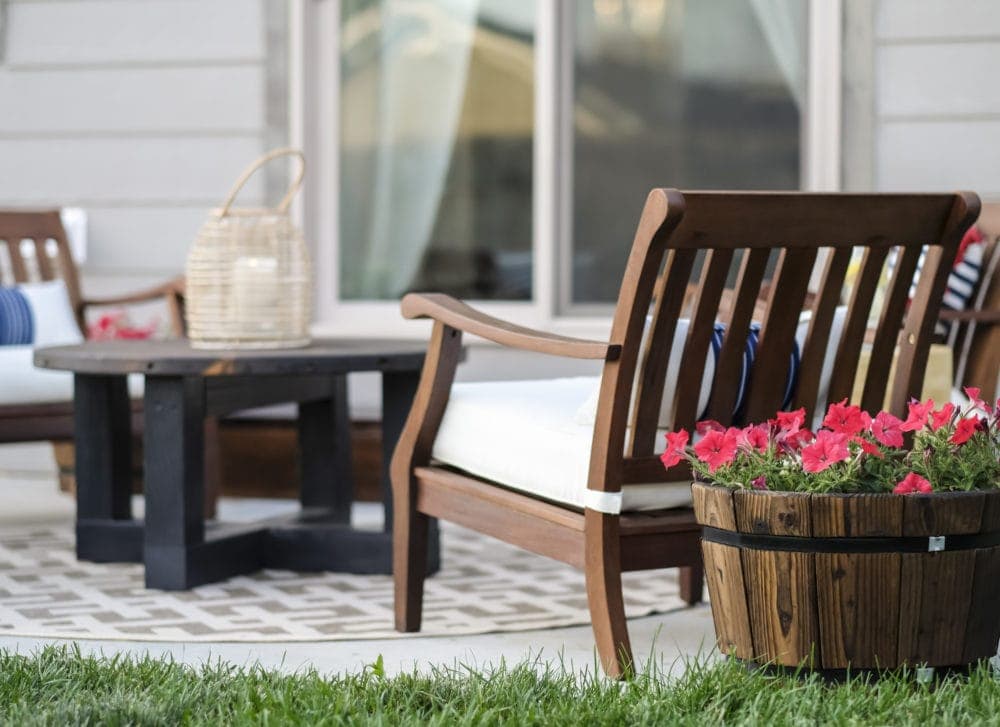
column 483, row 586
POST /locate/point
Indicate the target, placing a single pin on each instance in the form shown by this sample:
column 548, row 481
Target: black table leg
column 176, row 552
column 327, row 476
column 103, row 437
column 398, row 389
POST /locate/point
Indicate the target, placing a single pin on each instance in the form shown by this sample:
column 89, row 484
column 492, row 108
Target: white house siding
column 142, row 112
column 936, row 121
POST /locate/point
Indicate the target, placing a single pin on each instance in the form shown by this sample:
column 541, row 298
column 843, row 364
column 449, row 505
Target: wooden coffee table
column 183, row 386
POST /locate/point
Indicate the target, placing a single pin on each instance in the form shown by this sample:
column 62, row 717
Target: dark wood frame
column 673, row 230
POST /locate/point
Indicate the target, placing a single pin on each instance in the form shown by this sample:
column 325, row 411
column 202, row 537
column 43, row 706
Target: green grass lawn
column 61, row 687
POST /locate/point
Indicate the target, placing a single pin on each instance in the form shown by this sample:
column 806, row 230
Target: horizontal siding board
column 133, row 100
column 131, row 240
column 83, row 172
column 950, row 78
column 937, row 156
column 111, row 31
column 913, row 19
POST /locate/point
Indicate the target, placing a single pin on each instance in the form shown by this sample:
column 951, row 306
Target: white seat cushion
column 526, row 435
column 22, row 383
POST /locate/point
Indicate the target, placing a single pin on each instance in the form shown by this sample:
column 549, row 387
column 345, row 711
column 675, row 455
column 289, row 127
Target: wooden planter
column 852, row 581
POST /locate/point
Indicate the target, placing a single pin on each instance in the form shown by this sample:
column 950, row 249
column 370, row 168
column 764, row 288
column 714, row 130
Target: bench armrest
column 458, row 315
column 171, row 291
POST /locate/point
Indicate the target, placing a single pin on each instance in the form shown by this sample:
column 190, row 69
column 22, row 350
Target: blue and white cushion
column 17, row 324
column 746, row 369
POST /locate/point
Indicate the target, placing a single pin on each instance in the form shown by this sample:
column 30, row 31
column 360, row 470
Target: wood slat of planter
column 991, row 512
column 982, row 631
column 857, row 609
column 724, row 573
column 772, row 513
column 857, row 515
column 944, row 513
column 780, row 588
column 932, row 628
column 714, row 506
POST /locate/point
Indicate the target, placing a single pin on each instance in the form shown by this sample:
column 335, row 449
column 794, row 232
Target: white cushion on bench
column 526, row 435
column 22, row 383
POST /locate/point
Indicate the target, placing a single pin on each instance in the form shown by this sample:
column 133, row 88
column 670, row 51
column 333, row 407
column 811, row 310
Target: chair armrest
column 172, row 291
column 981, row 317
column 458, row 315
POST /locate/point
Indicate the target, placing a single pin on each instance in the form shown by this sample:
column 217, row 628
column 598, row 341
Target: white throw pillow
column 55, row 323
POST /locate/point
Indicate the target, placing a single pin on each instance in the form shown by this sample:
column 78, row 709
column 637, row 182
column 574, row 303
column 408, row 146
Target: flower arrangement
column 951, row 449
column 117, row 326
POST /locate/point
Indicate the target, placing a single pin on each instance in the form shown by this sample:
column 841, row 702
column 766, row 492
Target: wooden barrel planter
column 852, row 581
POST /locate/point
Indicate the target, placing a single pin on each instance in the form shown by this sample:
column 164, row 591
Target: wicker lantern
column 249, row 281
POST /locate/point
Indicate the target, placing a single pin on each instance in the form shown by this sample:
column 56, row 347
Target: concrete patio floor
column 29, row 494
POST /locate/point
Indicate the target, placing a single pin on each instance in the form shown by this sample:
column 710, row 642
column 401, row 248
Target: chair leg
column 409, row 564
column 603, row 572
column 692, row 580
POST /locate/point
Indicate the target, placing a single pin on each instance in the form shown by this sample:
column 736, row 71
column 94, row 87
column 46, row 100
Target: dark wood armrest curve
column 458, row 315
column 982, row 317
column 163, row 290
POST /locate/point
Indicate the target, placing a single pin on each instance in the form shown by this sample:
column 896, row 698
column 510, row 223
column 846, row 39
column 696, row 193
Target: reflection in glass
column 436, row 148
column 696, row 94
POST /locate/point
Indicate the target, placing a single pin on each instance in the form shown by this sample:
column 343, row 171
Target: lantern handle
column 249, row 171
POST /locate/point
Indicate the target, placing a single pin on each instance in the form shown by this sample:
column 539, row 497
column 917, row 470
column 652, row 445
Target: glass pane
column 437, row 123
column 695, row 94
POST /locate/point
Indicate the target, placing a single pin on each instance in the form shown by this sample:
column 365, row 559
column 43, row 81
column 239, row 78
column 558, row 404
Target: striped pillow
column 746, row 369
column 17, row 323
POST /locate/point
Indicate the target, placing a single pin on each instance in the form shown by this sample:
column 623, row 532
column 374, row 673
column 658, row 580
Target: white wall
column 143, row 112
column 936, row 122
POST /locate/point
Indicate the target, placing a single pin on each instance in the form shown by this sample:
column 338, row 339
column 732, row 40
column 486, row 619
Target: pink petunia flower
column 913, row 483
column 973, row 393
column 676, row 444
column 754, row 437
column 828, row 449
column 867, row 447
column 708, row 425
column 887, row 429
column 918, row 415
column 791, row 421
column 964, row 430
column 759, row 483
column 717, row 448
column 846, row 419
column 942, row 416
column 794, row 441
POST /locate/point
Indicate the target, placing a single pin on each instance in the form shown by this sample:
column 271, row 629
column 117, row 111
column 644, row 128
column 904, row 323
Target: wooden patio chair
column 593, row 527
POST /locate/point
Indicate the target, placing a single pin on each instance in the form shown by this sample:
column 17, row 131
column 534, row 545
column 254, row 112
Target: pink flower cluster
column 847, row 434
column 116, row 326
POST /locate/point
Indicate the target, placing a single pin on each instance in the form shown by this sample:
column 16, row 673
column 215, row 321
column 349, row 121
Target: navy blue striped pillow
column 17, row 324
column 746, row 369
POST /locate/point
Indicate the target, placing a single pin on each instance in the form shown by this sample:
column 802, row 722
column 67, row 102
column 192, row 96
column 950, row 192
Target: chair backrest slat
column 729, row 364
column 669, row 295
column 750, row 227
column 889, row 324
column 17, row 265
column 42, row 259
column 818, row 334
column 777, row 335
column 845, row 366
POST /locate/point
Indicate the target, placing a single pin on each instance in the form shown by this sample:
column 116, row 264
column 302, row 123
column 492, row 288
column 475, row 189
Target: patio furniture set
column 568, row 468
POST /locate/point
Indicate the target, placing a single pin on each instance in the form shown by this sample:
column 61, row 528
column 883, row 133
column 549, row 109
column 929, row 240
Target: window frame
column 314, row 69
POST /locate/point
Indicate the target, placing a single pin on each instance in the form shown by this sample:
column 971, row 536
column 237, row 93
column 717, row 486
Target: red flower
column 794, row 441
column 674, row 453
column 754, row 438
column 790, row 420
column 717, row 448
column 828, row 449
column 942, row 416
column 912, row 483
column 887, row 429
column 964, row 430
column 918, row 415
column 846, row 419
column 867, row 447
column 973, row 393
column 759, row 483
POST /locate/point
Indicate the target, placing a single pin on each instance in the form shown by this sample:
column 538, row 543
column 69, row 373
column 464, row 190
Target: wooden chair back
column 34, row 247
column 745, row 231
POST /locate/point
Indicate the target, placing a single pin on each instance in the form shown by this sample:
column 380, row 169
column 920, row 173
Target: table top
column 176, row 358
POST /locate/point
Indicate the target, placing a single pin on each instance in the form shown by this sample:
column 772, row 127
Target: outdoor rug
column 483, row 586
